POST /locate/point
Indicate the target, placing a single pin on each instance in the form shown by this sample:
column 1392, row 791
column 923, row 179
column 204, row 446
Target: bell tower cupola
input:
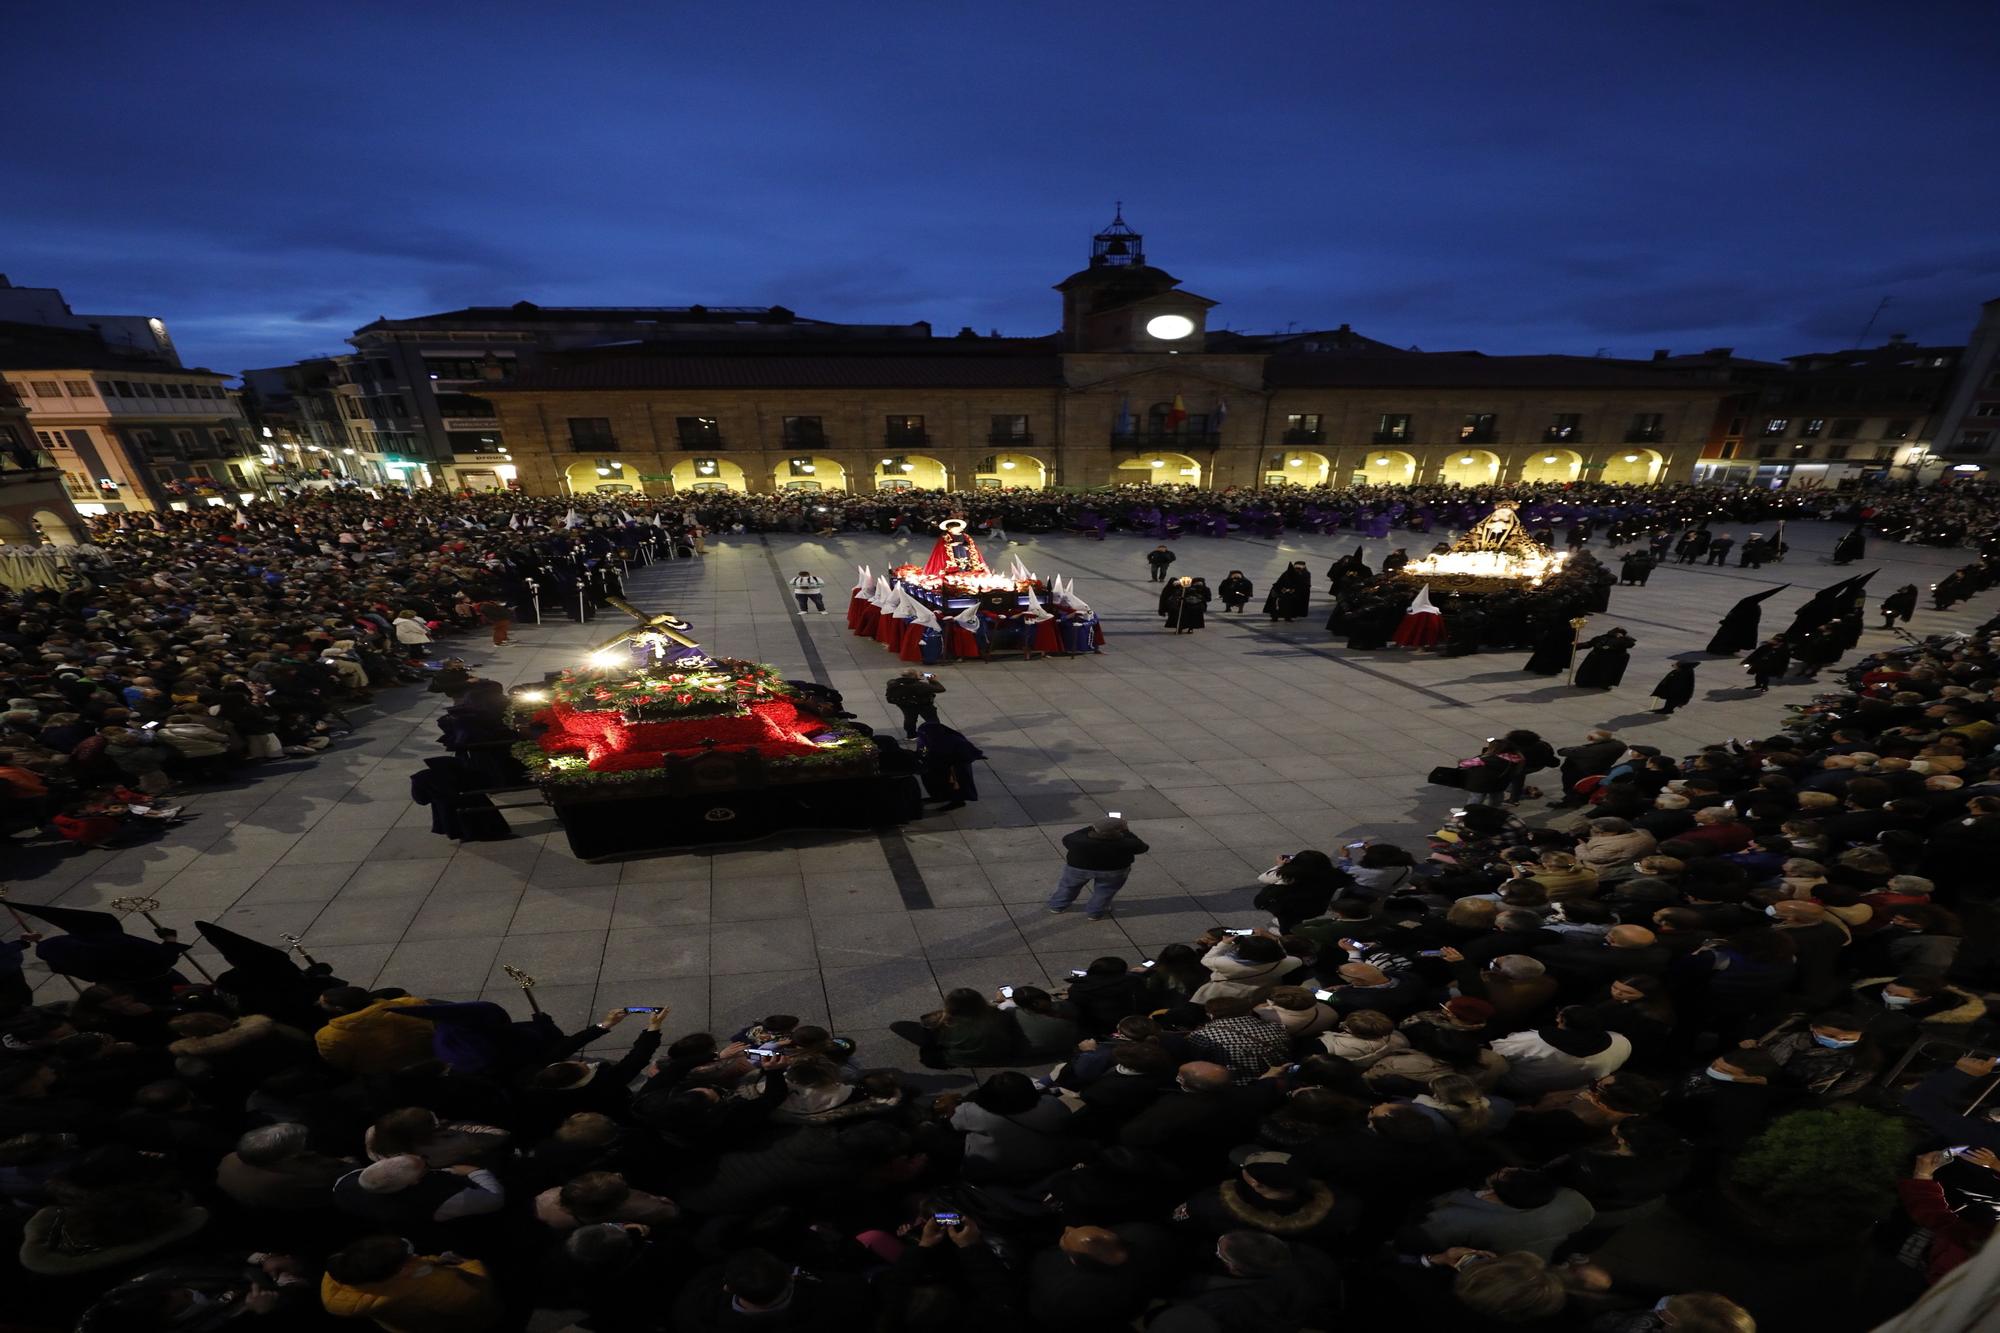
column 1121, row 303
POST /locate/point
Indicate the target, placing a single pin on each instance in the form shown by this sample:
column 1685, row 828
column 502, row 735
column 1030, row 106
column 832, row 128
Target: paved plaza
column 1223, row 748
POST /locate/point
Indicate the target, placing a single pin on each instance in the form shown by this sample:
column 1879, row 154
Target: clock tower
column 1120, row 303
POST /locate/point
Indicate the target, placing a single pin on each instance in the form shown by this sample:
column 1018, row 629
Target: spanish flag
column 1177, row 414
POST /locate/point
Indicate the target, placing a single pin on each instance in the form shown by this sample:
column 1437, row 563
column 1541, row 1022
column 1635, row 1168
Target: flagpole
column 1575, row 634
column 26, row 929
column 144, row 907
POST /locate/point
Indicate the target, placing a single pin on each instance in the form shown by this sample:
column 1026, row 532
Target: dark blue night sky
column 1510, row 175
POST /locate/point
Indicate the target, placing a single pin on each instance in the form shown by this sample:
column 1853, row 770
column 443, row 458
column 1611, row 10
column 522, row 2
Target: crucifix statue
column 654, row 633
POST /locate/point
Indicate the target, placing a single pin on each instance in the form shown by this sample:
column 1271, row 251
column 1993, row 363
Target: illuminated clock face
column 1169, row 328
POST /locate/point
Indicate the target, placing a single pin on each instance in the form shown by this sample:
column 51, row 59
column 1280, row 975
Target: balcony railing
column 1160, row 439
column 1645, row 435
column 905, row 439
column 1479, row 437
column 1304, row 436
column 20, row 464
column 1024, row 437
column 701, row 440
column 1391, row 437
column 810, row 443
column 1560, row 434
column 600, row 446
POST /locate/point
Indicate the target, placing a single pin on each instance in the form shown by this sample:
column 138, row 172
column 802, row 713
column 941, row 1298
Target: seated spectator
column 1568, row 1053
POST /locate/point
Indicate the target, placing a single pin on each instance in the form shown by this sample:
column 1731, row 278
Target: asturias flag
column 1176, row 414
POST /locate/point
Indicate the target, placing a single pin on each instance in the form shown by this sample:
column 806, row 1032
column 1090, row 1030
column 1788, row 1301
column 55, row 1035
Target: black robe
column 1850, row 548
column 1190, row 609
column 1554, row 646
column 1738, row 629
column 1768, row 661
column 1370, row 627
column 1290, row 595
column 1900, row 604
column 1676, row 687
column 1235, row 592
column 1169, row 593
column 1604, row 666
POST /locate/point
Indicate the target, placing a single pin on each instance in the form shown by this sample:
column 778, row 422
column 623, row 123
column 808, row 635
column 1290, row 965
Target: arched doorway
column 997, row 471
column 1157, row 469
column 603, row 476
column 1386, row 467
column 905, row 472
column 809, row 472
column 55, row 527
column 1552, row 465
column 1633, row 467
column 1469, row 467
column 13, row 533
column 1298, row 467
column 708, row 474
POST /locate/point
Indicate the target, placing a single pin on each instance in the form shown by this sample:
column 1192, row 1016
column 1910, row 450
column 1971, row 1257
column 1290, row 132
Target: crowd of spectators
column 192, row 643
column 1943, row 516
column 1411, row 1086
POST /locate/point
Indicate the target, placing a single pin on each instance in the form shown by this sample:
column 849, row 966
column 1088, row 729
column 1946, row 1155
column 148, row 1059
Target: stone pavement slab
column 1224, row 747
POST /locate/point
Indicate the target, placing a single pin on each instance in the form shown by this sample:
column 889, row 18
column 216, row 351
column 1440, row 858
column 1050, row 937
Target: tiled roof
column 1472, row 370
column 1035, row 370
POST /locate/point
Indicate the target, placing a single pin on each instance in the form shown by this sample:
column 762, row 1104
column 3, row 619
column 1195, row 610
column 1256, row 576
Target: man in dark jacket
column 1102, row 853
column 1157, row 561
column 754, row 1289
column 1584, row 966
column 914, row 694
column 1098, row 1277
column 1595, row 756
column 1202, row 1117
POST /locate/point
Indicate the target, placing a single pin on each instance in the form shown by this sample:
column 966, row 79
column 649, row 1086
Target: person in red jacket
column 1956, row 1232
column 1717, row 832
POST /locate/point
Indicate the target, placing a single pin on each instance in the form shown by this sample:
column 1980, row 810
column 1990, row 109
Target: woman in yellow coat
column 381, row 1278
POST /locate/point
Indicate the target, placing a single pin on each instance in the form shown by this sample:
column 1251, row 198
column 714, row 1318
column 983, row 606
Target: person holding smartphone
column 1100, row 855
column 914, row 694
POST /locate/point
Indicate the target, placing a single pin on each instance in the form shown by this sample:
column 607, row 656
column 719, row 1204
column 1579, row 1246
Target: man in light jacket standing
column 1101, row 854
column 806, row 588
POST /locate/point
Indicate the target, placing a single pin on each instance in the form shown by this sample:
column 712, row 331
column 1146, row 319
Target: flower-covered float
column 954, row 607
column 651, row 711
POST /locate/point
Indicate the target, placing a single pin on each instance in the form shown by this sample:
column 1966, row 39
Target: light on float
column 606, row 657
column 531, row 696
column 1965, row 467
column 1169, row 328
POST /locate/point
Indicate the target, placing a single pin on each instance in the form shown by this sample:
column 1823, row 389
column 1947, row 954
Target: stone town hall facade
column 1134, row 388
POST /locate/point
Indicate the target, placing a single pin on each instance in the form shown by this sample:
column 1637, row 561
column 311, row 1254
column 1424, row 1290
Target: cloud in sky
column 1554, row 177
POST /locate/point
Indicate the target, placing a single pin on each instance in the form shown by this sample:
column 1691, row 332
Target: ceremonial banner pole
column 298, row 948
column 144, row 907
column 1575, row 633
column 526, row 983
column 27, row 929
